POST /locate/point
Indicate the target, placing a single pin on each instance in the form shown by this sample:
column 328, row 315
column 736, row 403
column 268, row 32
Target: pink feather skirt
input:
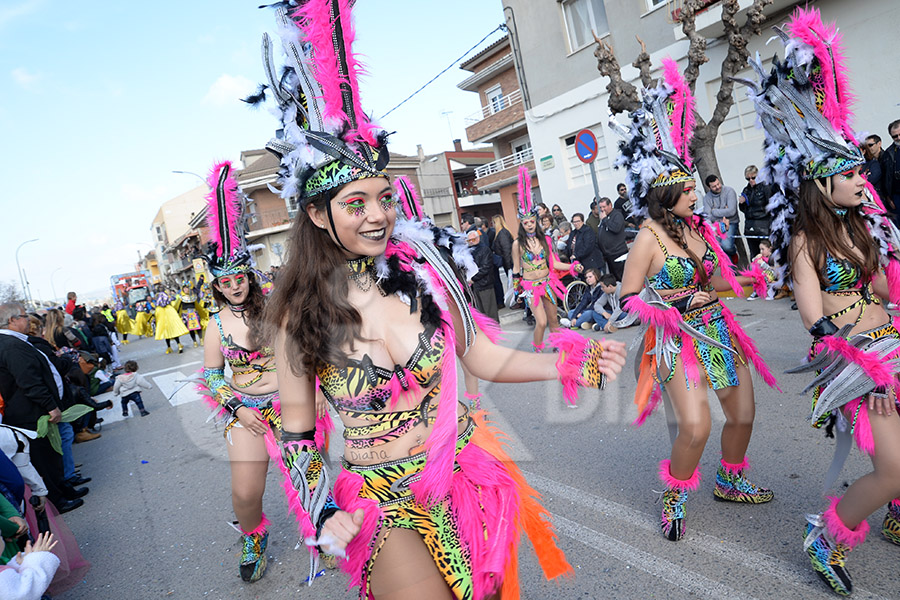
column 549, row 286
column 855, row 410
column 472, row 534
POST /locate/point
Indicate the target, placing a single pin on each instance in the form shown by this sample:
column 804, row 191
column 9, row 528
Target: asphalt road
column 156, row 523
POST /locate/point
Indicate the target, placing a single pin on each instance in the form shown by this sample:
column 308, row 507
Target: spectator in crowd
column 583, row 244
column 753, row 203
column 562, row 244
column 503, row 240
column 71, row 298
column 872, row 168
column 28, row 574
column 482, row 281
column 890, row 168
column 623, row 205
column 487, row 239
column 721, row 205
column 100, row 338
column 612, row 238
column 583, row 316
column 98, row 380
column 487, row 231
column 30, row 391
column 558, row 216
column 593, row 220
column 542, row 209
column 548, row 228
column 609, row 304
column 466, row 222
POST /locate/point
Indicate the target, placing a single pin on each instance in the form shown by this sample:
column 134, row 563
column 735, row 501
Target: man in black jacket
column 482, row 281
column 753, row 202
column 583, row 245
column 30, row 391
column 612, row 238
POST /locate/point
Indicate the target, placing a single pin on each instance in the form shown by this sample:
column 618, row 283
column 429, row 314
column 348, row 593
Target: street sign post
column 586, row 148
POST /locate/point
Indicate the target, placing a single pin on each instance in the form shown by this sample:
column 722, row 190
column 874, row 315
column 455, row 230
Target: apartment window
column 495, row 100
column 651, row 4
column 740, row 124
column 579, row 173
column 520, row 145
column 583, row 19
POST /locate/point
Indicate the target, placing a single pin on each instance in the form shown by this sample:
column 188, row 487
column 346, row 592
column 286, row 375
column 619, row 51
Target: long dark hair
column 310, row 301
column 253, row 311
column 660, row 201
column 823, row 228
column 523, row 238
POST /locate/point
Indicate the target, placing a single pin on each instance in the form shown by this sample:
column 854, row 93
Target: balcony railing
column 507, row 162
column 494, row 106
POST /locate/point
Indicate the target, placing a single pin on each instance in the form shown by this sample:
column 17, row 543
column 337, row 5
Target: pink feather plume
column 525, row 204
column 724, row 262
column 232, row 208
column 682, row 126
column 652, row 404
column 806, row 25
column 318, row 29
column 409, row 199
column 668, row 318
column 760, row 285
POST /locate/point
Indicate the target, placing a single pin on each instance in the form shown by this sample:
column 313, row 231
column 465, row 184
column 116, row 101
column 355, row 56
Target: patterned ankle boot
column 890, row 529
column 731, row 485
column 828, row 542
column 253, row 552
column 675, row 500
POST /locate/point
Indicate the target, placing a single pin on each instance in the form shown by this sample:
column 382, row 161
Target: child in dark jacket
column 128, row 385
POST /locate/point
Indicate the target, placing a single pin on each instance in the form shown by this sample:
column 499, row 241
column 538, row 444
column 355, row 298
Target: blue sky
column 101, row 101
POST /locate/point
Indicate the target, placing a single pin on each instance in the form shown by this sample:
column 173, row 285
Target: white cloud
column 227, row 90
column 11, row 13
column 24, row 78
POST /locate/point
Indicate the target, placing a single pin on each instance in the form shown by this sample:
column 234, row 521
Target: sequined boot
column 828, row 542
column 733, row 486
column 253, row 552
column 675, row 500
column 890, row 529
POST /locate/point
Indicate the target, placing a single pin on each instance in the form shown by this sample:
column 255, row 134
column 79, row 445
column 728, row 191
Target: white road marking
column 181, row 366
column 646, row 561
column 728, row 551
column 170, row 382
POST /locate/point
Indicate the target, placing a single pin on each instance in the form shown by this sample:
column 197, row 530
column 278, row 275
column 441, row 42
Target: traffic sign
column 586, row 146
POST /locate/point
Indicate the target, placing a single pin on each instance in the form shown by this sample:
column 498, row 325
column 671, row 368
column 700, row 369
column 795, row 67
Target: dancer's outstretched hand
column 612, row 359
column 252, row 421
column 338, row 531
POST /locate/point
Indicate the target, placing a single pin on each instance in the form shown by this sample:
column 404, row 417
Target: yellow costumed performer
column 168, row 323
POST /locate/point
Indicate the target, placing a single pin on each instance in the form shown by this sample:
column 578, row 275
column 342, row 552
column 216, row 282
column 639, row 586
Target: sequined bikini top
column 365, row 386
column 679, row 271
column 241, row 360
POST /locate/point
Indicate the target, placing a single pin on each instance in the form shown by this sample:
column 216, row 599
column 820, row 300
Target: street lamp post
column 19, row 269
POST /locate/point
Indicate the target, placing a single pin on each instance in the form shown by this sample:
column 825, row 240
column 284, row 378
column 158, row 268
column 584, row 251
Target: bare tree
column 623, row 96
column 9, row 292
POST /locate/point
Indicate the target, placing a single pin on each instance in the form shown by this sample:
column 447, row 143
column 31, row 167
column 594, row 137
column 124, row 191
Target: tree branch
column 697, row 49
column 642, row 63
column 623, row 96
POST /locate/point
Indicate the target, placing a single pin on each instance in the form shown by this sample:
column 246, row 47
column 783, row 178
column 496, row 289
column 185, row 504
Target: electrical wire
column 501, row 27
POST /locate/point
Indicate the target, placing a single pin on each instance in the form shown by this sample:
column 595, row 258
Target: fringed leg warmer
column 675, row 500
column 828, row 542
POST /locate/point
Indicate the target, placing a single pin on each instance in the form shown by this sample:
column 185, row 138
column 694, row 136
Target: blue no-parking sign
column 586, row 146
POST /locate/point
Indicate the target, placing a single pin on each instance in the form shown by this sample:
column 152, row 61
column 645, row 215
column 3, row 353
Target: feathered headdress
column 804, row 108
column 228, row 253
column 409, row 200
column 526, row 209
column 655, row 149
column 326, row 139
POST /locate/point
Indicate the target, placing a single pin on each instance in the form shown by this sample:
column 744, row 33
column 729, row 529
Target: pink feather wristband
column 577, row 364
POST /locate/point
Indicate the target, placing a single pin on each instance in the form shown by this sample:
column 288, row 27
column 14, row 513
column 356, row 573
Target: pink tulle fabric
column 72, row 565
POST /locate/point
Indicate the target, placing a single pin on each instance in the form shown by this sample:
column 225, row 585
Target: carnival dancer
column 189, row 315
column 536, row 265
column 832, row 237
column 690, row 340
column 124, row 323
column 204, row 303
column 249, row 403
column 168, row 323
column 426, row 505
column 142, row 319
